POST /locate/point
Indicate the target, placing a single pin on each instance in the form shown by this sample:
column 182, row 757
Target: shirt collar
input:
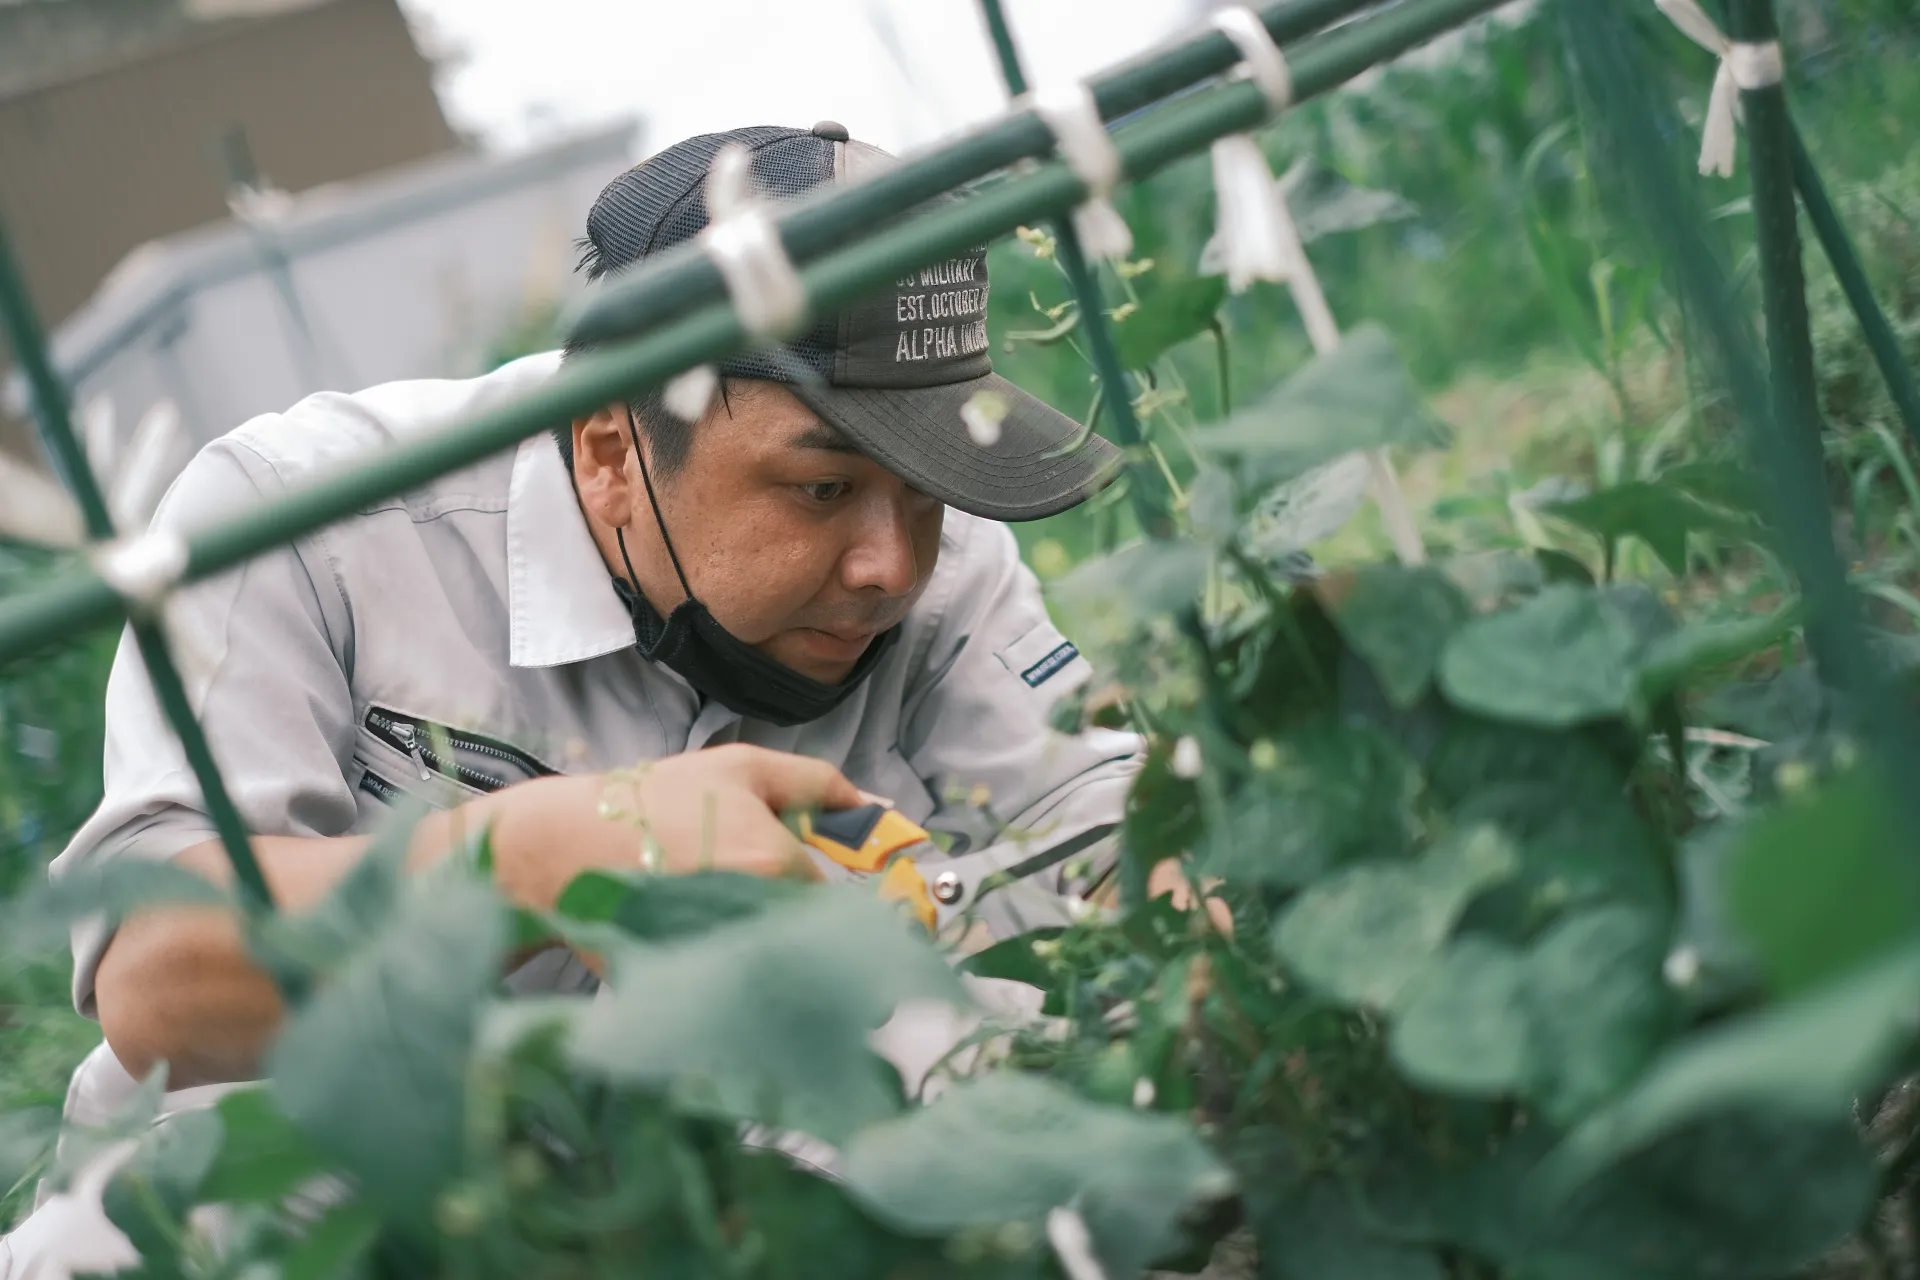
column 561, row 603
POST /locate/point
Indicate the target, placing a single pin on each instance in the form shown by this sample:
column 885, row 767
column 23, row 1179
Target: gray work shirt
column 475, row 616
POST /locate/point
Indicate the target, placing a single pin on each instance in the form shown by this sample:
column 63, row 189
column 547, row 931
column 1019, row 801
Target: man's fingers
column 787, row 782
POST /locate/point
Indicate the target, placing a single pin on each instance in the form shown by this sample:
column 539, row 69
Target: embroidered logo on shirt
column 1049, row 667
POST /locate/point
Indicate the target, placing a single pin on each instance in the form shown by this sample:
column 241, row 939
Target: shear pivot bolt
column 946, row 887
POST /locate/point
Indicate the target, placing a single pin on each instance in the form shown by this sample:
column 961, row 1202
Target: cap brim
column 1032, row 471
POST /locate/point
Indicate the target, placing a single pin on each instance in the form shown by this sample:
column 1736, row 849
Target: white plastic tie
column 689, row 394
column 1262, row 60
column 143, row 570
column 1070, row 113
column 1743, row 66
column 745, row 246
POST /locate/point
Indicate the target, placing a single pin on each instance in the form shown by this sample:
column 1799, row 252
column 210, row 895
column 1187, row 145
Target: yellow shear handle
column 867, row 839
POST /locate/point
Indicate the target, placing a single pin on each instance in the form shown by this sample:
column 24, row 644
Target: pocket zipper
column 414, row 738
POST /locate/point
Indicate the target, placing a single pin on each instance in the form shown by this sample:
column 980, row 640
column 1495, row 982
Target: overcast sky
column 897, row 73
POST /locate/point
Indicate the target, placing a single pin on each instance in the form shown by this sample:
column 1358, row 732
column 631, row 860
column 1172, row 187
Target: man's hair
column 669, row 437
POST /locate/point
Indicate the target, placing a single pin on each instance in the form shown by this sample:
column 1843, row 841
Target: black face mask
column 691, row 643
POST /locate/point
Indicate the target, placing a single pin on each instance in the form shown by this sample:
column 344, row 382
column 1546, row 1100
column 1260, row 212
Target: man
column 802, row 595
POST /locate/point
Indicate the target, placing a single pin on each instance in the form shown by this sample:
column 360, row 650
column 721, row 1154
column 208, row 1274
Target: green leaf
column 150, row 1194
column 1168, row 316
column 1578, row 846
column 334, row 1246
column 299, row 948
column 1729, row 1194
column 1398, row 620
column 405, row 1006
column 1332, row 795
column 41, row 918
column 1659, row 515
column 1560, row 658
column 1302, row 510
column 1009, row 1148
column 1323, row 202
column 657, row 908
column 264, row 1157
column 1317, row 1233
column 767, row 1018
column 1106, row 601
column 1823, row 882
column 1364, row 934
column 1014, row 960
column 1598, row 1007
column 1359, row 396
column 1678, row 659
column 1461, row 1025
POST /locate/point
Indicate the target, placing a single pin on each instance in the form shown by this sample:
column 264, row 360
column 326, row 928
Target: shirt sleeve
column 262, row 652
column 980, row 716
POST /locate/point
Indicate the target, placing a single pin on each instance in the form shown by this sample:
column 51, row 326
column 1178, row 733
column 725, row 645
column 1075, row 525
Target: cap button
column 831, row 130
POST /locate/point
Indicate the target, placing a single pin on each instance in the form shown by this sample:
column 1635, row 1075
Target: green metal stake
column 1853, row 282
column 1148, row 488
column 52, row 412
column 1776, row 217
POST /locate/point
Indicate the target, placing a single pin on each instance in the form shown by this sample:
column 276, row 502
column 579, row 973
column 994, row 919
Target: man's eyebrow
column 822, row 436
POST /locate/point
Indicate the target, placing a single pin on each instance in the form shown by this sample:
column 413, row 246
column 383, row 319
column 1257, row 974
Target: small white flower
column 1251, row 240
column 1186, row 762
column 688, row 395
column 984, row 413
column 1073, row 1244
column 1143, row 1093
column 1682, row 967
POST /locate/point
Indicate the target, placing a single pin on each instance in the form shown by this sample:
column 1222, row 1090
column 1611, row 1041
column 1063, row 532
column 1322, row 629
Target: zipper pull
column 411, row 736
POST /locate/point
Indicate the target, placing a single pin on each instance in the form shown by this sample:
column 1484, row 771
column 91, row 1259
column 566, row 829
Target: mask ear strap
column 658, row 519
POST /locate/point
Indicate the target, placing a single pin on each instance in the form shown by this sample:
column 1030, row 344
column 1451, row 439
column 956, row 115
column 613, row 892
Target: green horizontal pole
column 79, row 599
column 682, row 278
column 1845, row 262
column 54, row 415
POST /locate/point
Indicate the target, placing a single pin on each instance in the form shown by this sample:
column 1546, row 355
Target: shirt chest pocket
column 399, row 753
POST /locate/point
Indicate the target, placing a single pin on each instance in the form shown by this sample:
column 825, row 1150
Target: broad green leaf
column 264, row 1156
column 333, row 1247
column 1213, row 503
column 1363, row 934
column 149, row 1196
column 1331, row 796
column 299, row 948
column 1719, row 965
column 1009, row 1148
column 1676, row 660
column 1298, row 512
column 1788, row 705
column 1730, row 1193
column 1561, row 658
column 373, row 1069
column 1014, row 960
column 1719, row 484
column 1168, row 316
column 766, row 1018
column 1317, row 1233
column 1357, row 397
column 658, row 908
column 41, row 918
column 1824, row 882
column 1398, row 620
column 1461, row 1025
column 1659, row 515
column 1598, row 1008
column 1578, row 846
column 1104, row 601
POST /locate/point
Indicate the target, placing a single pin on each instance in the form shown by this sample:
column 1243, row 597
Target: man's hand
column 178, row 984
column 1169, row 881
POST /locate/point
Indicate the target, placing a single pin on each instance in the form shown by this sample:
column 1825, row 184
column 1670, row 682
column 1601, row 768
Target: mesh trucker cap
column 892, row 372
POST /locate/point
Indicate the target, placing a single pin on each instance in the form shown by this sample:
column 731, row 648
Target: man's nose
column 880, row 558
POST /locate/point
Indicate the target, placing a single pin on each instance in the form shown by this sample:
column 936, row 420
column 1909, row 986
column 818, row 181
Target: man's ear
column 602, row 453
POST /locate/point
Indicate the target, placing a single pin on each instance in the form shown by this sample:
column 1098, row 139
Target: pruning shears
column 935, row 889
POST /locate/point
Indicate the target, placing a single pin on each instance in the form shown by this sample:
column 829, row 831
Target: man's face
column 796, row 542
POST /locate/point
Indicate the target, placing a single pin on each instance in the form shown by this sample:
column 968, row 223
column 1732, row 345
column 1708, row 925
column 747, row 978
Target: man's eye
column 826, row 490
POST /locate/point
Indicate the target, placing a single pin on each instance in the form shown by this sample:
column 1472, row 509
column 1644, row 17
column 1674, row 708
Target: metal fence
column 675, row 312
